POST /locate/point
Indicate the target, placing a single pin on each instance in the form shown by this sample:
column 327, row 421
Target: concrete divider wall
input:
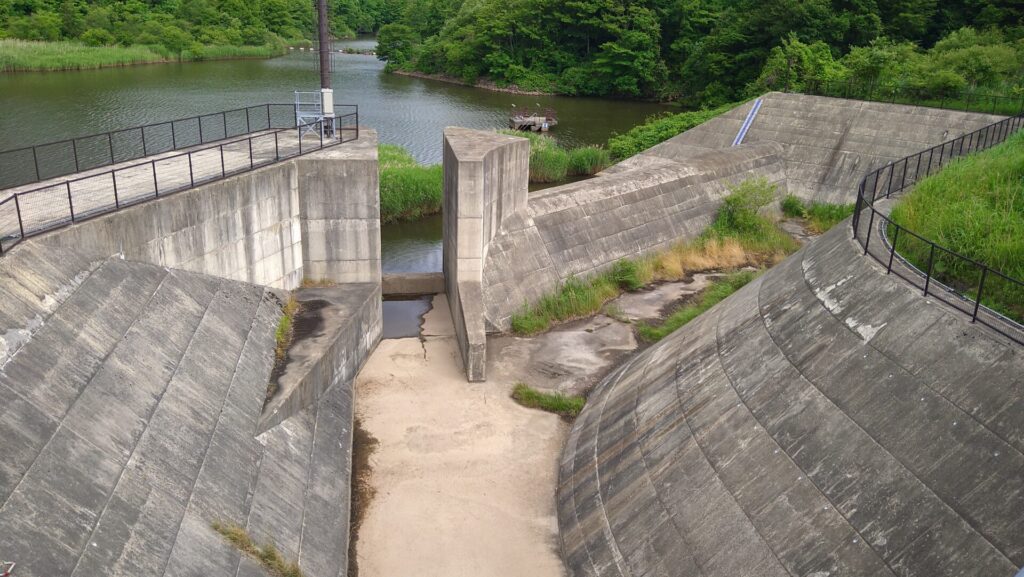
column 485, row 186
column 828, row 143
column 316, row 216
column 827, row 419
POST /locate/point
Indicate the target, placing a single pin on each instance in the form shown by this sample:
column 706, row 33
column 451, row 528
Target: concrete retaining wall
column 316, row 216
column 827, row 419
column 485, row 186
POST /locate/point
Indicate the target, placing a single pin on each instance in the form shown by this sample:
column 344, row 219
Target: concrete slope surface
column 129, row 401
column 828, row 143
column 825, row 420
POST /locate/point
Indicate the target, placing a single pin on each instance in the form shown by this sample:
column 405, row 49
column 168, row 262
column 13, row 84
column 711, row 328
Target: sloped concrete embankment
column 827, row 419
column 132, row 395
column 828, row 143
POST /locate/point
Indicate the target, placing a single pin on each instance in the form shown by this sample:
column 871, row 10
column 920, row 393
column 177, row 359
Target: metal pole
column 113, row 177
column 110, row 146
column 268, row 117
column 324, row 34
column 888, row 186
column 928, row 275
column 871, row 224
column 931, row 153
column 250, row 154
column 223, row 172
column 981, row 286
column 144, row 151
column 224, row 120
column 199, row 119
column 74, row 150
column 277, row 151
column 35, row 160
column 892, row 249
column 71, row 206
column 903, row 177
column 156, row 187
column 247, row 129
column 17, row 208
column 174, row 140
column 191, row 178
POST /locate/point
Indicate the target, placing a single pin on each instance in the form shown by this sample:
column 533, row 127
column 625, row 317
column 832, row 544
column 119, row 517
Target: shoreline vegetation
column 482, row 83
column 18, row 56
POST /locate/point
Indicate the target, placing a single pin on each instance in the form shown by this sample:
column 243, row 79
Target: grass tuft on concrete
column 738, row 237
column 568, row 407
column 975, row 207
column 707, row 298
column 267, row 554
column 551, row 162
column 408, row 190
column 820, row 216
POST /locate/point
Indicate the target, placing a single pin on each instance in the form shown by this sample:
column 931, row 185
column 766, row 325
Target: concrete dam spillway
column 826, row 420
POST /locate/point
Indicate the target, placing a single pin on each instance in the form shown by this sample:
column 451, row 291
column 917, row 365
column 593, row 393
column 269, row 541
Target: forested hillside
column 704, row 51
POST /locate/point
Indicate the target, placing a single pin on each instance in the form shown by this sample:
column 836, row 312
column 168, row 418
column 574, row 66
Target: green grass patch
column 284, row 332
column 567, row 406
column 975, row 207
column 267, row 554
column 820, row 216
column 551, row 162
column 26, row 56
column 740, row 219
column 708, row 298
column 659, row 129
column 408, row 190
column 575, row 298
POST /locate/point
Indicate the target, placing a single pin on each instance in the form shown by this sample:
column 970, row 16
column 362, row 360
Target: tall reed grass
column 975, row 207
column 408, row 190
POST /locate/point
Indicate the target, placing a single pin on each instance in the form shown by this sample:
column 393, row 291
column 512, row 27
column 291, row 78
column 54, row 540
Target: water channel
column 411, row 112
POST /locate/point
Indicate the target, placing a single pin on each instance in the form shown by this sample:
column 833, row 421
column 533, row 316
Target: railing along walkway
column 33, row 209
column 881, row 237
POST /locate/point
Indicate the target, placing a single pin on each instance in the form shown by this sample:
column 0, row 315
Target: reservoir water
column 412, row 112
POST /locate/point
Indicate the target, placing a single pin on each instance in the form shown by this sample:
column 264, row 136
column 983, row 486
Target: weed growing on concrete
column 408, row 190
column 708, row 298
column 283, row 334
column 568, row 407
column 266, row 554
column 974, row 206
column 820, row 216
column 738, row 237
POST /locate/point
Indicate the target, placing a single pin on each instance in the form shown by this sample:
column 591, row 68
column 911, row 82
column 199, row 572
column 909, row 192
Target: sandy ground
column 464, row 478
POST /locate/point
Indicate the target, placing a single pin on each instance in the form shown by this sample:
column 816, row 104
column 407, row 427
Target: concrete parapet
column 315, row 216
column 412, row 283
column 485, row 185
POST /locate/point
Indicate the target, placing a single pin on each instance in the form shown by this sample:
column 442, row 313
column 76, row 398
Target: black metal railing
column 28, row 213
column 941, row 274
column 963, row 100
column 41, row 162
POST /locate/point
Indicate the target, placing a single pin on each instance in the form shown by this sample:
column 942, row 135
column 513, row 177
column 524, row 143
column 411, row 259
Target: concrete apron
column 463, row 479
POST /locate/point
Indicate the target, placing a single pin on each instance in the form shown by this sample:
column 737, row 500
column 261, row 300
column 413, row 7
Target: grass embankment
column 408, row 190
column 552, row 162
column 27, row 56
column 738, row 237
column 659, row 129
column 975, row 207
column 819, row 216
column 267, row 554
column 568, row 407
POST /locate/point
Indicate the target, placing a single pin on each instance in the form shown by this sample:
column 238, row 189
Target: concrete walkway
column 464, row 478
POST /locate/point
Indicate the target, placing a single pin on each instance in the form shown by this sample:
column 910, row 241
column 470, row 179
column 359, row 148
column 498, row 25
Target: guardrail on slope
column 900, row 175
column 966, row 100
column 29, row 213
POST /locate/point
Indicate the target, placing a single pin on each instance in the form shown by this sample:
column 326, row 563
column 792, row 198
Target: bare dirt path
column 464, row 479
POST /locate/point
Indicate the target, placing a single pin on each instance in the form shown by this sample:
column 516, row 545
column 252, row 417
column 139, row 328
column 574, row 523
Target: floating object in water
column 535, row 121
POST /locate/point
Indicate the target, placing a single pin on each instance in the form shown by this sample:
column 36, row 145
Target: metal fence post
column 903, row 177
column 250, row 153
column 17, row 208
column 156, row 187
column 224, row 120
column 888, row 186
column 174, row 140
column 145, row 152
column 931, row 152
column 269, row 126
column 892, row 249
column 223, row 172
column 981, row 287
column 277, row 150
column 247, row 128
column 871, row 225
column 110, row 146
column 71, row 206
column 113, row 178
column 931, row 261
column 199, row 119
column 74, row 151
column 191, row 177
column 35, row 161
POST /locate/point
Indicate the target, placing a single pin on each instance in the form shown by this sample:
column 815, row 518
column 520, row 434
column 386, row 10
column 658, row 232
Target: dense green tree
column 395, row 43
